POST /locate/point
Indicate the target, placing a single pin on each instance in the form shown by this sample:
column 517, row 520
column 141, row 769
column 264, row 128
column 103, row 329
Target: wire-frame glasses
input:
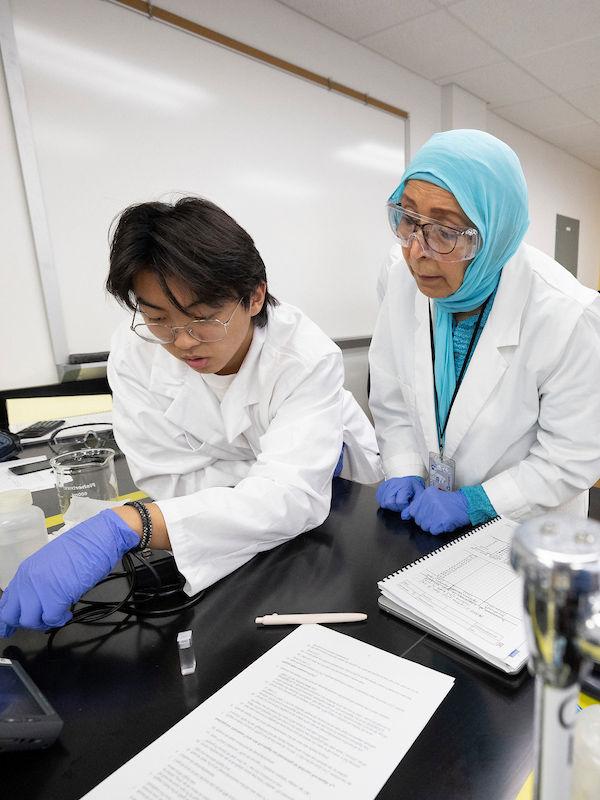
column 202, row 330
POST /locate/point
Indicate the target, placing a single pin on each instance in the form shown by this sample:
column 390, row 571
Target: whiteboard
column 125, row 109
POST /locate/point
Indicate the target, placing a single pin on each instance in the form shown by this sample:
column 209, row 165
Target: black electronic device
column 156, row 574
column 26, row 469
column 10, row 445
column 37, row 430
column 27, row 720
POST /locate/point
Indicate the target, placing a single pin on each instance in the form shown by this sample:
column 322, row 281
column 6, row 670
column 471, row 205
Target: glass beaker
column 85, row 473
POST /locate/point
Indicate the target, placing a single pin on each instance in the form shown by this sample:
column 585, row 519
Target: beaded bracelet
column 146, row 523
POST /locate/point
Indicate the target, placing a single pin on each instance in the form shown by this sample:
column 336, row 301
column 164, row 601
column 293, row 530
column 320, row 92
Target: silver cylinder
column 559, row 559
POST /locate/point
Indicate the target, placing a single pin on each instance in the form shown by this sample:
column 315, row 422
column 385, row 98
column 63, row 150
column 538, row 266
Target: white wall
column 461, row 109
column 558, row 182
column 18, row 271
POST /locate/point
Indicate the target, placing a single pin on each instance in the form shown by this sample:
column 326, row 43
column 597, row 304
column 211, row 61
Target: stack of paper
column 468, row 594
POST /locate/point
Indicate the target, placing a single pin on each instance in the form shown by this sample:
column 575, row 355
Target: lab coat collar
column 423, row 373
column 244, row 390
column 493, row 353
column 488, row 363
column 195, row 408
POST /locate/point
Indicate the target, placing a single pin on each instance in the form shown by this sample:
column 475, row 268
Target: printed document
column 320, row 716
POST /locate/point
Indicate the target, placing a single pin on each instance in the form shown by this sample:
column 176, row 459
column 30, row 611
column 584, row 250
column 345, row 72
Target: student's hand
column 340, row 464
column 396, row 493
column 48, row 582
column 436, row 511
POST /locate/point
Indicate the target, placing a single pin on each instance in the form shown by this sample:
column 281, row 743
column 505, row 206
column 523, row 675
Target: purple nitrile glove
column 340, row 464
column 48, row 582
column 436, row 511
column 396, row 493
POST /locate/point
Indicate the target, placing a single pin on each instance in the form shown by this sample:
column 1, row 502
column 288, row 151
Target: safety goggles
column 76, row 437
column 441, row 242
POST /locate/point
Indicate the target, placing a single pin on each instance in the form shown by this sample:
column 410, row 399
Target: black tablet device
column 27, row 720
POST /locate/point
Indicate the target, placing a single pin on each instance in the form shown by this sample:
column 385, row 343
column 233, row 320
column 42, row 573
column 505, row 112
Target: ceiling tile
column 586, row 100
column 520, row 28
column 571, row 66
column 583, row 137
column 542, row 114
column 355, row 18
column 433, row 46
column 499, row 84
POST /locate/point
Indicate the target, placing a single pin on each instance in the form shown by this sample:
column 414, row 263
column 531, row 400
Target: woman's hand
column 48, row 582
column 396, row 493
column 436, row 511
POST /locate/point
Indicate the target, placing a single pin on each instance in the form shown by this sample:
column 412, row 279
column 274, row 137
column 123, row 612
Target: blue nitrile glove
column 56, row 576
column 340, row 465
column 436, row 511
column 396, row 493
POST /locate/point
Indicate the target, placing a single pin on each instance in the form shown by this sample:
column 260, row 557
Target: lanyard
column 442, row 430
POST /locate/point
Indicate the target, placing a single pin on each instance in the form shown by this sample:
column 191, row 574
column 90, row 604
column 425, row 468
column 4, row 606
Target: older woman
column 485, row 361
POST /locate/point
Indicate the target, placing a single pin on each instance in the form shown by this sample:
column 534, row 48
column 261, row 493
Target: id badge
column 441, row 472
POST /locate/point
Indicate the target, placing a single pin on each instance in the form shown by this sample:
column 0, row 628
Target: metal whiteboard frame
column 33, row 188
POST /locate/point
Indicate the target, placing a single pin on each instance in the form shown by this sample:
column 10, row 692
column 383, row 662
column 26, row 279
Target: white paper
column 321, row 716
column 469, row 591
column 35, row 481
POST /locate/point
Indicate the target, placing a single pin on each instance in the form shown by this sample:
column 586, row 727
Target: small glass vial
column 187, row 659
column 22, row 531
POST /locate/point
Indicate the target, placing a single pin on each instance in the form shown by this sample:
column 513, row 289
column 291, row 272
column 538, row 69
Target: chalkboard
column 125, row 109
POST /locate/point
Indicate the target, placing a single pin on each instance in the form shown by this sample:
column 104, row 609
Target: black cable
column 116, row 625
column 94, row 612
column 167, row 612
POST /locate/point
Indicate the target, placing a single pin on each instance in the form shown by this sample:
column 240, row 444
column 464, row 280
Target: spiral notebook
column 467, row 594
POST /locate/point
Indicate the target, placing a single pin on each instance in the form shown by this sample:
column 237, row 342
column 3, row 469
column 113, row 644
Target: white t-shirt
column 218, row 384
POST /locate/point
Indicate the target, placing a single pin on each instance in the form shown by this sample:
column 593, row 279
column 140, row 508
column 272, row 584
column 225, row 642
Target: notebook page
column 469, row 590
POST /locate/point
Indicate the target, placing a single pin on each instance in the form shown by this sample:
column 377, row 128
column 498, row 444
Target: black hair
column 192, row 241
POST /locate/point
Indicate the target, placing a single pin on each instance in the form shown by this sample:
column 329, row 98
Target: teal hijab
column 486, row 178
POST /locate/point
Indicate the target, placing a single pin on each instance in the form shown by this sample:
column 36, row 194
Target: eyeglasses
column 76, row 437
column 202, row 330
column 440, row 241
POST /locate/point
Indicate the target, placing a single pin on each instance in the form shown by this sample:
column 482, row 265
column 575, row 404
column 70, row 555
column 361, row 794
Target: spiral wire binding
column 443, row 547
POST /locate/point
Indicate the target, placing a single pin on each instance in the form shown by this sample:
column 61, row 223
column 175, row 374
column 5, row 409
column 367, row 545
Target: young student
column 228, row 405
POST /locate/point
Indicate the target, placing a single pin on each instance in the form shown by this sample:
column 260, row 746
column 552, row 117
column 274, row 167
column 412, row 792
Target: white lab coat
column 526, row 421
column 244, row 475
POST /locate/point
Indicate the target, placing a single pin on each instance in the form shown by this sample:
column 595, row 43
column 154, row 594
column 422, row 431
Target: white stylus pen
column 300, row 619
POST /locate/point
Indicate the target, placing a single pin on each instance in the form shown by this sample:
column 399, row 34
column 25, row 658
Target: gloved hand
column 48, row 582
column 396, row 493
column 436, row 511
column 340, row 465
